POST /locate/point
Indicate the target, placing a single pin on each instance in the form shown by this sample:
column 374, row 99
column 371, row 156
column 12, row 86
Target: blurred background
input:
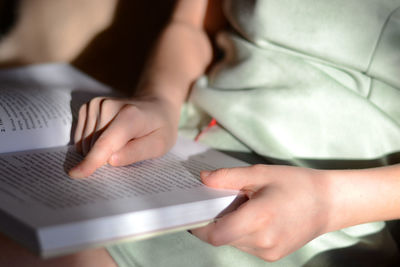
column 108, row 39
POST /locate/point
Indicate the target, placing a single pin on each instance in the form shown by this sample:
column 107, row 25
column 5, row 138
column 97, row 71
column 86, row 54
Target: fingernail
column 113, row 160
column 204, row 174
column 76, row 173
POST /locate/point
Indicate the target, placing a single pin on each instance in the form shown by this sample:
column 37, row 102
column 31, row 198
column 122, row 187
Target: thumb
column 233, row 178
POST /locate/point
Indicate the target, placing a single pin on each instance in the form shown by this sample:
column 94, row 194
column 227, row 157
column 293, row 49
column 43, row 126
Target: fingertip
column 211, row 179
column 206, row 178
column 114, row 160
column 199, row 233
column 84, row 169
column 228, row 178
column 202, row 232
column 204, row 174
column 210, row 234
column 76, row 173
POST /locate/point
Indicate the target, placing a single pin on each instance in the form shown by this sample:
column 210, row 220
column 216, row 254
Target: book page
column 38, row 181
column 34, row 118
column 41, row 177
column 39, row 104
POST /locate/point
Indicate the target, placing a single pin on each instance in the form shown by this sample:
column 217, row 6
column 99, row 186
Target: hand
column 123, row 131
column 286, row 209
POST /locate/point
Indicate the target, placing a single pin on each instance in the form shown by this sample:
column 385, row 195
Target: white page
column 34, row 118
column 38, row 179
column 113, row 203
column 37, row 103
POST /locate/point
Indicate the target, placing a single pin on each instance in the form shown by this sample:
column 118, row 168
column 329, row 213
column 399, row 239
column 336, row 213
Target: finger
column 246, row 249
column 90, row 123
column 236, row 178
column 146, row 147
column 269, row 255
column 258, row 240
column 111, row 140
column 233, row 226
column 80, row 127
column 109, row 108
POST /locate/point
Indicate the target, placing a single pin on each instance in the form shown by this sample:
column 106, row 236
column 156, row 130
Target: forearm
column 180, row 56
column 360, row 196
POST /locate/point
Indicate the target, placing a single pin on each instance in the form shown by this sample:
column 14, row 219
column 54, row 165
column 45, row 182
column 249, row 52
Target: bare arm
column 360, row 196
column 181, row 55
column 121, row 131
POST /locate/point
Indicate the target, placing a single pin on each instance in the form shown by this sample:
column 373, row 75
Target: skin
column 290, row 206
column 287, row 206
column 60, row 33
column 119, row 131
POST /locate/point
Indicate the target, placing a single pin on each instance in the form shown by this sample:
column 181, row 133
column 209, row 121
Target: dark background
column 115, row 55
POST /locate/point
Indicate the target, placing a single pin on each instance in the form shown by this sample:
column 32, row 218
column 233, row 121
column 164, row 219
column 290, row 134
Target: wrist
column 361, row 196
column 334, row 197
column 165, row 107
column 346, row 199
column 166, row 90
column 337, row 211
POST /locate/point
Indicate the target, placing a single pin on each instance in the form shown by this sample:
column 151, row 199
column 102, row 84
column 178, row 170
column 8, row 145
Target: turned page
column 39, row 104
column 34, row 118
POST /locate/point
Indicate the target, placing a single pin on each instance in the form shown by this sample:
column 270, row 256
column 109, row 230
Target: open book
column 52, row 214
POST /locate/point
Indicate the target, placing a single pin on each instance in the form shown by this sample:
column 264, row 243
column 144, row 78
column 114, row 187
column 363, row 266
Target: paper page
column 37, row 105
column 34, row 118
column 38, row 181
column 113, row 203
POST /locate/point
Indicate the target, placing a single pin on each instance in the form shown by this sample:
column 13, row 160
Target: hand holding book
column 277, row 219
